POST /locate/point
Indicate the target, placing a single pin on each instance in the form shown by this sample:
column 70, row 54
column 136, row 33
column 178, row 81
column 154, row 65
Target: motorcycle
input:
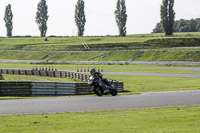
column 100, row 87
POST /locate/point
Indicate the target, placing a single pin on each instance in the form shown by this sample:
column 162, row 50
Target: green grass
column 176, row 71
column 117, row 55
column 107, row 68
column 155, row 120
column 92, row 56
column 8, row 77
column 68, row 56
column 62, row 42
column 154, row 55
column 69, row 66
column 68, row 40
column 139, row 84
column 67, row 43
column 71, row 48
column 10, row 98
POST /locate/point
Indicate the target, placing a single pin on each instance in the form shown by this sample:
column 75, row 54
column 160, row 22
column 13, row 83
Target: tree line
column 167, row 14
column 182, row 25
column 80, row 18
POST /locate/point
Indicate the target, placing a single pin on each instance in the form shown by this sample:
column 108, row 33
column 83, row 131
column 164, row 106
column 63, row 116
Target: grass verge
column 139, row 84
column 10, row 98
column 154, row 120
column 154, row 70
column 8, row 77
column 117, row 55
column 72, row 49
column 69, row 43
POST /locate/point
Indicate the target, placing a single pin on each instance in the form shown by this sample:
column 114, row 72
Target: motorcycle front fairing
column 91, row 80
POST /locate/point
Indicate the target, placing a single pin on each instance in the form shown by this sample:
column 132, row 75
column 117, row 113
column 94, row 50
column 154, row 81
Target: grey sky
column 142, row 16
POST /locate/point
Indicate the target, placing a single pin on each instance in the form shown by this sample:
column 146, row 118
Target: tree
column 182, row 25
column 8, row 20
column 42, row 17
column 121, row 17
column 175, row 26
column 80, row 17
column 167, row 16
column 198, row 25
column 192, row 25
column 158, row 28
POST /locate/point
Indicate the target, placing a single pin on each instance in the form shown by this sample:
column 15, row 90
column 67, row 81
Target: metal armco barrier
column 33, row 88
column 58, row 74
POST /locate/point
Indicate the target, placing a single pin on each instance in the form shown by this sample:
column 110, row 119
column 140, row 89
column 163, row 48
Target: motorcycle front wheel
column 98, row 92
column 113, row 92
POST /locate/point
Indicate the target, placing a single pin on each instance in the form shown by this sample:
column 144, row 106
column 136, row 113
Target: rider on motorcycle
column 99, row 85
column 95, row 74
column 98, row 75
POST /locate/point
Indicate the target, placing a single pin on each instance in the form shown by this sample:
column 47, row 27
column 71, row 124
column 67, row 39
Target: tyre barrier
column 36, row 88
column 23, row 88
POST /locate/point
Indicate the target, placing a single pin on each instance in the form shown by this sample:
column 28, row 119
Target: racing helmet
column 92, row 71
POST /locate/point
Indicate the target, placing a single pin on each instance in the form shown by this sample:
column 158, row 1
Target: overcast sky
column 142, row 16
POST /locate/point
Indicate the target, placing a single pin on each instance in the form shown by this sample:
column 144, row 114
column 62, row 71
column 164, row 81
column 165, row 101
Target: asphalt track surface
column 94, row 103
